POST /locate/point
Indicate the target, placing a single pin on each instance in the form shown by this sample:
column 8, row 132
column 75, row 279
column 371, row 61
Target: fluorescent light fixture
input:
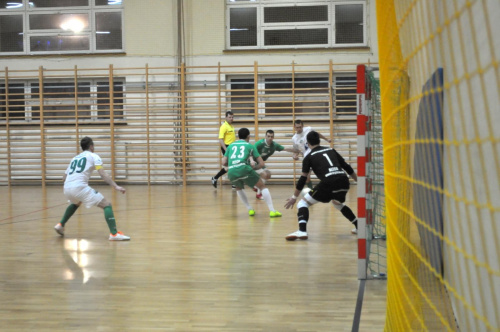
column 236, row 29
column 13, row 5
column 73, row 24
column 103, row 32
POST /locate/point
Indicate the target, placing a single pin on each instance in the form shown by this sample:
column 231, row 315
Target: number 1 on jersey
column 328, row 158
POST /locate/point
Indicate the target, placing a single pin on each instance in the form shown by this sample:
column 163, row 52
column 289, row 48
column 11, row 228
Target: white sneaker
column 354, row 231
column 296, row 235
column 59, row 229
column 119, row 237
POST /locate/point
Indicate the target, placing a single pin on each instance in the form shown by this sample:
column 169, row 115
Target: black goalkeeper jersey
column 326, row 163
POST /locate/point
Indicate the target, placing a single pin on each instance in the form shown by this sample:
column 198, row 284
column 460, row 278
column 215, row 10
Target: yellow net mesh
column 440, row 87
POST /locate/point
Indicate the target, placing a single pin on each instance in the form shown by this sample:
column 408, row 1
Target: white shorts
column 88, row 196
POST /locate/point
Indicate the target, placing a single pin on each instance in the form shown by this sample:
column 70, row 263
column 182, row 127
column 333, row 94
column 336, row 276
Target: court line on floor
column 25, row 214
column 100, row 212
column 359, row 306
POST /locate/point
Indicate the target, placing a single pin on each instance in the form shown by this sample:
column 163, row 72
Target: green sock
column 110, row 219
column 310, row 185
column 68, row 213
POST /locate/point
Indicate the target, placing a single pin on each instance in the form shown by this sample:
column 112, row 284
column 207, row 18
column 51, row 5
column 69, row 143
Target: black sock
column 355, row 223
column 303, row 214
column 347, row 212
column 221, row 173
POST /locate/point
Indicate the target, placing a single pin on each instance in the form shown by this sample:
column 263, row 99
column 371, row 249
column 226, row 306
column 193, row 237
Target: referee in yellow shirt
column 226, row 137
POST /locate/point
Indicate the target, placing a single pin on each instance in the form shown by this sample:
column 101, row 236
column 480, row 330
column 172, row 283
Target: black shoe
column 214, row 182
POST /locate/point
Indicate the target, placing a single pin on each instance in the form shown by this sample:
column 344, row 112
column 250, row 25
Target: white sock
column 244, row 199
column 267, row 198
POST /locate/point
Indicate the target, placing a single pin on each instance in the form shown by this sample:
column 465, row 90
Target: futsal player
column 329, row 167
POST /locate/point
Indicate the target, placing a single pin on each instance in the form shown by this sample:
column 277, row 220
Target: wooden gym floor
column 196, row 262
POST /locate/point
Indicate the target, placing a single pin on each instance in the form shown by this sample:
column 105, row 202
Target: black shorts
column 336, row 189
column 222, row 150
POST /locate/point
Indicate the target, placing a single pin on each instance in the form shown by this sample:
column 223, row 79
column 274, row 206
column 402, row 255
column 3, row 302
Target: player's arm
column 65, row 176
column 346, row 167
column 260, row 163
column 324, row 138
column 296, row 154
column 292, row 150
column 298, row 188
column 104, row 175
column 280, row 148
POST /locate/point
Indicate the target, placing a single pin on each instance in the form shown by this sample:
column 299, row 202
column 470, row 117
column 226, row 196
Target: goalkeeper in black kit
column 329, row 167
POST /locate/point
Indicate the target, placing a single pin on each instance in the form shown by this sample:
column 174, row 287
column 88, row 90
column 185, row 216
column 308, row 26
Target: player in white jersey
column 77, row 189
column 299, row 141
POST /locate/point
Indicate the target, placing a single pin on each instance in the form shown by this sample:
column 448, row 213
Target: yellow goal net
column 440, row 97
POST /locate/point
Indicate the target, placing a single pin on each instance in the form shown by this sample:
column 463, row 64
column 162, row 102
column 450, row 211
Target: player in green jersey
column 242, row 170
column 266, row 148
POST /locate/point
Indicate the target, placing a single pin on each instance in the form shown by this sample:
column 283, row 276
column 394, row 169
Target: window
column 62, row 102
column 257, row 24
column 308, row 94
column 60, row 26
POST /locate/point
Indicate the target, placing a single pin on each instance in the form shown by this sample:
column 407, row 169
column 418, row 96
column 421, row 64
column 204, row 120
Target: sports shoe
column 259, row 196
column 354, row 231
column 251, row 212
column 255, row 189
column 233, row 187
column 298, row 235
column 59, row 229
column 119, row 236
column 214, row 182
column 275, row 214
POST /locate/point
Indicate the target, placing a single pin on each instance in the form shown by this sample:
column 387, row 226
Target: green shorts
column 239, row 176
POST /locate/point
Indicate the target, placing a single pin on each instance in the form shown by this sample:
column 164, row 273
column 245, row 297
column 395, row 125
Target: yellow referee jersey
column 226, row 132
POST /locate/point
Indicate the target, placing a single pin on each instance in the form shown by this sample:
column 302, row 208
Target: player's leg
column 221, row 172
column 235, row 176
column 109, row 216
column 339, row 194
column 347, row 212
column 71, row 194
column 266, row 195
column 303, row 218
column 265, row 175
column 70, row 210
column 243, row 197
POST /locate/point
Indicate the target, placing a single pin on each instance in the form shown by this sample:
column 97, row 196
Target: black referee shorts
column 222, row 150
column 334, row 189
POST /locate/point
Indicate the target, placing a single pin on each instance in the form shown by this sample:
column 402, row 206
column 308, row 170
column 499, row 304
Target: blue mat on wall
column 428, row 168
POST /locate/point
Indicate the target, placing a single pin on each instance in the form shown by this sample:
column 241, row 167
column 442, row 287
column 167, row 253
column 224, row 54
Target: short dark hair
column 86, row 142
column 270, row 131
column 313, row 138
column 299, row 122
column 243, row 133
column 229, row 113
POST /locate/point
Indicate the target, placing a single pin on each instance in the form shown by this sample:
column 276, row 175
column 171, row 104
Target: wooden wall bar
column 160, row 124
